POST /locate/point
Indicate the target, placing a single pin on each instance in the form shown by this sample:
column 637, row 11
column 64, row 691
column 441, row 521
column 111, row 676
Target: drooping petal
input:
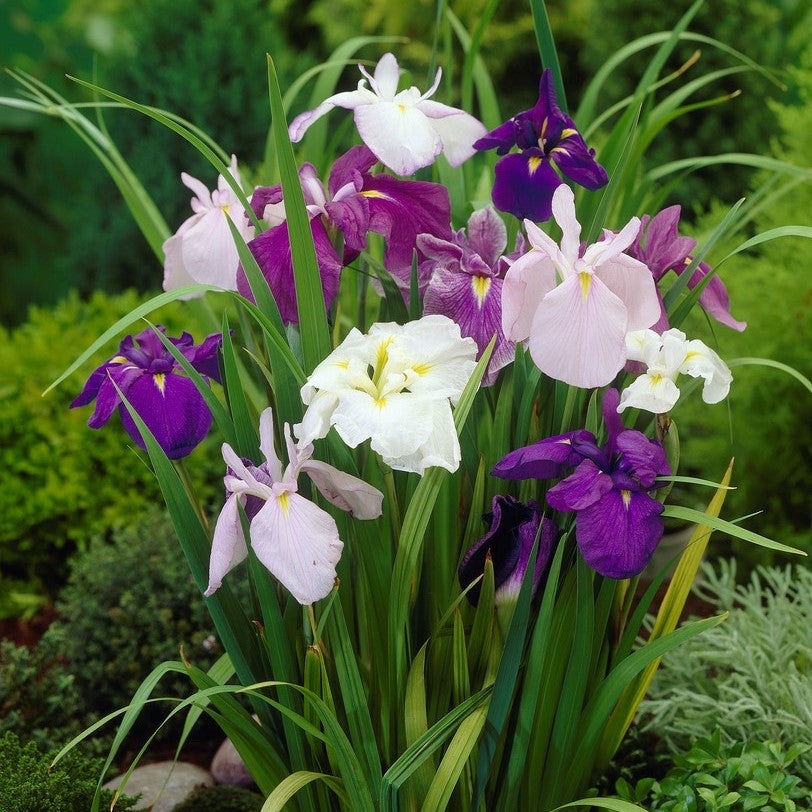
column 208, row 250
column 400, row 210
column 618, row 534
column 344, row 490
column 652, row 393
column 643, row 458
column 173, row 410
column 446, row 254
column 401, row 136
column 271, row 249
column 487, row 235
column 502, row 138
column 582, row 488
column 578, row 332
column 577, row 161
column 348, row 100
column 545, row 459
column 457, row 130
column 316, row 420
column 298, row 543
column 702, row 362
column 528, row 280
column 228, row 547
column 351, row 168
column 633, row 284
column 203, row 356
column 175, row 273
column 440, row 449
column 714, row 298
column 524, row 185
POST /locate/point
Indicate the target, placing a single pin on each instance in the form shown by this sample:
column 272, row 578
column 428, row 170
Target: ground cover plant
column 461, row 319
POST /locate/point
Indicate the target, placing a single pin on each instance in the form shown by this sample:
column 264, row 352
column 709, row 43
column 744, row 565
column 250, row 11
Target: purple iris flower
column 618, row 523
column 546, row 135
column 465, row 282
column 512, row 529
column 660, row 246
column 354, row 203
column 157, row 388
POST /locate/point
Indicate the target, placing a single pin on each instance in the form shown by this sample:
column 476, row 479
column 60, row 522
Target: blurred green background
column 64, row 227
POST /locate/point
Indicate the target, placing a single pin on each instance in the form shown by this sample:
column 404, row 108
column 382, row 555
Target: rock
column 149, row 782
column 227, row 767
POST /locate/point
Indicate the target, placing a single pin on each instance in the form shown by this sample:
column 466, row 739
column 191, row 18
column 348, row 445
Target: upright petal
column 298, row 543
column 267, row 445
column 387, row 76
column 228, row 546
column 643, row 458
column 578, row 333
column 528, row 280
column 351, row 168
column 487, row 235
column 582, row 488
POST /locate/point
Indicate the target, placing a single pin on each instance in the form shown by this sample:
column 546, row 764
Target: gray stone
column 227, row 767
column 149, row 782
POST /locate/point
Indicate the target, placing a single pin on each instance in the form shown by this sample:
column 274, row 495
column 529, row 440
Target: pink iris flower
column 573, row 307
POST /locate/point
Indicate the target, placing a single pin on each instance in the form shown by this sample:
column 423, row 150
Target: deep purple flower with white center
column 660, row 247
column 157, row 388
column 545, row 135
column 618, row 523
column 355, row 202
column 465, row 283
column 512, row 530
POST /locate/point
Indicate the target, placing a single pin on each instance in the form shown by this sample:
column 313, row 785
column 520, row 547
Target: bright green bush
column 751, row 676
column 221, row 799
column 28, row 784
column 735, row 778
column 768, row 410
column 64, row 483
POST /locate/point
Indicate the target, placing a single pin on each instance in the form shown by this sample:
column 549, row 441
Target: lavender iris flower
column 465, row 282
column 660, row 247
column 525, row 180
column 512, row 529
column 354, row 203
column 618, row 523
column 156, row 387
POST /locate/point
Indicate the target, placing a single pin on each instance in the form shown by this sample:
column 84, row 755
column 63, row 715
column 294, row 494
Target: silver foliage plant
column 750, row 676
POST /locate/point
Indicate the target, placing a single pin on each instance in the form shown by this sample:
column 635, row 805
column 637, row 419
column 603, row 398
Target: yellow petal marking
column 421, row 369
column 627, row 498
column 225, row 207
column 533, row 163
column 586, row 282
column 480, row 285
column 283, row 501
column 380, row 403
column 567, row 132
column 374, row 193
column 160, row 381
column 119, row 359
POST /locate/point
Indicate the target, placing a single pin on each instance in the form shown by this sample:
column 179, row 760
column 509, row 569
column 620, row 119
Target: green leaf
column 287, row 788
column 307, row 278
column 245, row 426
column 547, row 49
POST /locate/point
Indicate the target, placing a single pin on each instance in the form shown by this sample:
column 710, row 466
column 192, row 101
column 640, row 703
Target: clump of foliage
column 28, row 783
column 750, row 676
column 64, row 483
column 768, row 292
column 129, row 605
column 221, row 799
column 712, row 776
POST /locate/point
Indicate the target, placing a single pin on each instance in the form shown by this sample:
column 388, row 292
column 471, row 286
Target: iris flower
column 666, row 357
column 157, row 388
column 512, row 530
column 406, row 130
column 354, row 203
column 465, row 282
column 394, row 387
column 202, row 250
column 294, row 539
column 660, row 247
column 573, row 307
column 546, row 136
column 618, row 523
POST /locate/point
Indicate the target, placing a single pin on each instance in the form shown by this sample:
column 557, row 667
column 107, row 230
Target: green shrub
column 28, row 784
column 735, row 778
column 64, row 483
column 768, row 410
column 221, row 799
column 750, row 676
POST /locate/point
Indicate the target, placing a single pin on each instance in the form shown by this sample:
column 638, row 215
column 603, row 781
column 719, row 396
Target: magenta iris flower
column 618, row 523
column 546, row 136
column 512, row 529
column 157, row 388
column 465, row 282
column 660, row 247
column 354, row 203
